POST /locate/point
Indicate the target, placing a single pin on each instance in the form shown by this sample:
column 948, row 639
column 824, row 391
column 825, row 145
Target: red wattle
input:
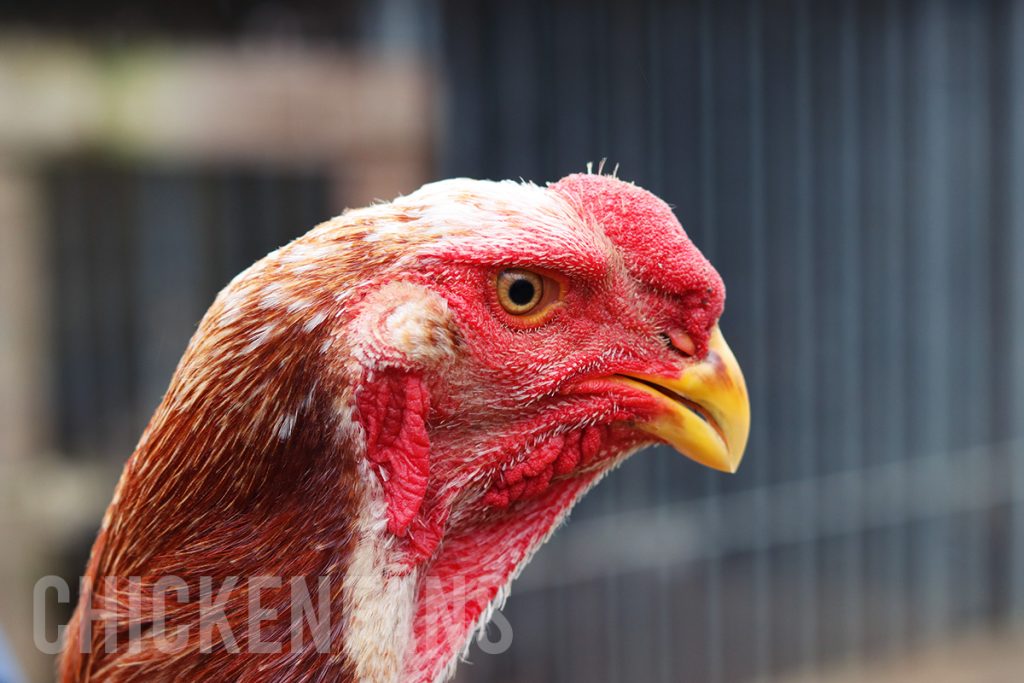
column 393, row 412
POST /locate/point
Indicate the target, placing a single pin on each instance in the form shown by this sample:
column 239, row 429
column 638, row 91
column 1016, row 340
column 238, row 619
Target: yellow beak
column 706, row 414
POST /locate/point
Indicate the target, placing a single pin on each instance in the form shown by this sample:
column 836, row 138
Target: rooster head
column 427, row 386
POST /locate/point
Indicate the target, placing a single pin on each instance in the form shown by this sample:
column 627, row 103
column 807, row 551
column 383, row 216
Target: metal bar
column 762, row 569
column 803, row 244
column 849, row 439
column 1015, row 367
column 892, row 310
column 931, row 296
column 971, row 243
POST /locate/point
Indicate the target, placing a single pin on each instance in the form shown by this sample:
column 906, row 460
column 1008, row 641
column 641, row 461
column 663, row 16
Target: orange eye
column 524, row 293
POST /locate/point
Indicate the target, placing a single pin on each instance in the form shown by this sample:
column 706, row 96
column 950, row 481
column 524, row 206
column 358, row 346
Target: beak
column 705, row 411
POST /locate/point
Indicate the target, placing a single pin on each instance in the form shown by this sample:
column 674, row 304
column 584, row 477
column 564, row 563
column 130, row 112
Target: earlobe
column 405, row 325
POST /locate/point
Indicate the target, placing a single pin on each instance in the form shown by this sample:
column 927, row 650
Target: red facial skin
column 556, row 415
column 251, row 467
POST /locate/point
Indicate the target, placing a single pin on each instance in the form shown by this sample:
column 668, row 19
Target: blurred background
column 854, row 169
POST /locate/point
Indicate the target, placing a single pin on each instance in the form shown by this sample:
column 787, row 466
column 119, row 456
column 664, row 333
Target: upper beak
column 706, row 412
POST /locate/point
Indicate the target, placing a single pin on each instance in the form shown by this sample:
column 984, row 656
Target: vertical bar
column 803, row 262
column 655, row 102
column 972, row 237
column 762, row 607
column 516, row 48
column 631, row 92
column 169, row 276
column 1000, row 539
column 546, row 111
column 932, row 295
column 466, row 124
column 1016, row 309
column 571, row 97
column 851, row 369
column 77, row 303
column 894, row 320
column 602, row 93
column 111, row 237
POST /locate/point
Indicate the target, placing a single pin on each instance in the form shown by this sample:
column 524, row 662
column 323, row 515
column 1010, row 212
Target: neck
column 241, row 474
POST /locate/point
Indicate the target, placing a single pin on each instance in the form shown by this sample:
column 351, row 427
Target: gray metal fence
column 854, row 169
column 856, row 172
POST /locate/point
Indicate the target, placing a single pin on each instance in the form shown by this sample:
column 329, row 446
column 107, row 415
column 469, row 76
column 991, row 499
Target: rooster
column 397, row 409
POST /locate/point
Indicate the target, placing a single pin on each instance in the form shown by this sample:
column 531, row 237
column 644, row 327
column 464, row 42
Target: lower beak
column 705, row 412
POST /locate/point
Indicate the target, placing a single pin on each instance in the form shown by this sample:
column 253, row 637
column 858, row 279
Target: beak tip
column 728, row 466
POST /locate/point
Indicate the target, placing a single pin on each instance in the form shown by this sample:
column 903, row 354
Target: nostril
column 681, row 342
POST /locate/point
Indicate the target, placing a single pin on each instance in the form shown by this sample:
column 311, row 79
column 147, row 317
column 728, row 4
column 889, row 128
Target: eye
column 519, row 291
column 524, row 293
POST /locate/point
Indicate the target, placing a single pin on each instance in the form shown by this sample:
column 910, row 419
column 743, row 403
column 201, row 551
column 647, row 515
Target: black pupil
column 521, row 292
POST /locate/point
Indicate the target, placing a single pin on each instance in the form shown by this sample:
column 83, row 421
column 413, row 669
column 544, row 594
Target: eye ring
column 520, row 291
column 525, row 297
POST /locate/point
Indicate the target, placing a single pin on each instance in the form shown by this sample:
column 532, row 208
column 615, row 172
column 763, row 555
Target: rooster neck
column 225, row 488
